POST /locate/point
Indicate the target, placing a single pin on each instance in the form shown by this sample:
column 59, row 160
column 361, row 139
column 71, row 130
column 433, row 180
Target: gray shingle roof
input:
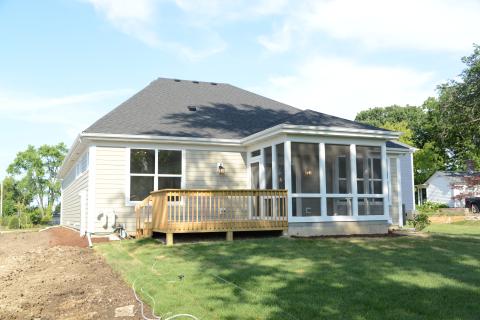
column 391, row 144
column 222, row 111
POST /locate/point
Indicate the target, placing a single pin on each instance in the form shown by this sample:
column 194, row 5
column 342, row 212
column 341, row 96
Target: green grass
column 460, row 228
column 436, row 277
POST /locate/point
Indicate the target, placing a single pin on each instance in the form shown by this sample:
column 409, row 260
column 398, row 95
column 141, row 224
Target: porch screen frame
column 351, row 197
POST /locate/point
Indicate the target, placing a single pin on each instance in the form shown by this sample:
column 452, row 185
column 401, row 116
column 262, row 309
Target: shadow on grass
column 390, row 278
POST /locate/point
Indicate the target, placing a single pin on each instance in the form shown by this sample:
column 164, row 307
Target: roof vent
column 177, row 80
column 192, row 108
column 213, row 83
column 195, row 82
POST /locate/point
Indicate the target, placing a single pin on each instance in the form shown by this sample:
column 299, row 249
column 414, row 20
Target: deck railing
column 192, row 210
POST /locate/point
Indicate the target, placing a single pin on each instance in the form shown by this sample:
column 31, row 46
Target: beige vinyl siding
column 110, row 188
column 71, row 201
column 394, row 212
column 201, row 170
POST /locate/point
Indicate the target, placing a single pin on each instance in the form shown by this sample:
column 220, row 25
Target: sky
column 65, row 63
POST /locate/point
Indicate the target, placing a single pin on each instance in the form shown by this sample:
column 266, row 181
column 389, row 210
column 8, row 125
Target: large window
column 154, row 170
column 305, row 168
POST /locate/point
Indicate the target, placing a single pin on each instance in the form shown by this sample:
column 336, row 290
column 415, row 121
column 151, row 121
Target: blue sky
column 64, row 63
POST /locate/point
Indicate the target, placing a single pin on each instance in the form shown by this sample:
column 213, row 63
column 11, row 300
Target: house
column 439, row 188
column 217, row 142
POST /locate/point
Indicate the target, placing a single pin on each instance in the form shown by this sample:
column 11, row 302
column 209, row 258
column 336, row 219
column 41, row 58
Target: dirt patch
column 52, row 275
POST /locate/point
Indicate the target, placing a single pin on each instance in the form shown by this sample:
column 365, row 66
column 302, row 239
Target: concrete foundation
column 311, row 229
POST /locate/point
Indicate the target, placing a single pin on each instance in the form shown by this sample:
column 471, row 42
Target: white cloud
column 447, row 25
column 342, row 87
column 140, row 19
column 232, row 10
column 134, row 18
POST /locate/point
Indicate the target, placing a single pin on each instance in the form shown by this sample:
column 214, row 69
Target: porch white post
column 386, row 212
column 288, row 176
column 399, row 190
column 261, row 166
column 353, row 178
column 413, row 181
column 323, row 180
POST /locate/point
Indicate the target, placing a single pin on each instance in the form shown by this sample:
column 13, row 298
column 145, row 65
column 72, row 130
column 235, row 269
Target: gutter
column 276, row 130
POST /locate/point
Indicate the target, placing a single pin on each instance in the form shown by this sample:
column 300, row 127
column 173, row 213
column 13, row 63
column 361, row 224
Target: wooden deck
column 186, row 211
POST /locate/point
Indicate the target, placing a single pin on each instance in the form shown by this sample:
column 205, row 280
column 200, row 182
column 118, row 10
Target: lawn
column 461, row 227
column 433, row 277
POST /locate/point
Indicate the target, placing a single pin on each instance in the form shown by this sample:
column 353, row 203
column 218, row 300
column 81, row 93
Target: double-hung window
column 154, row 170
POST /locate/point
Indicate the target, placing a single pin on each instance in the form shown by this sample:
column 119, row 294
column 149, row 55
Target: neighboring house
column 342, row 176
column 438, row 188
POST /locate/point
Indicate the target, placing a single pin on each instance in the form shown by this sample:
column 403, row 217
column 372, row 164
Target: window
column 305, row 168
column 146, row 177
column 369, row 170
column 169, row 162
column 337, row 167
column 280, row 151
column 255, row 153
column 80, row 167
column 267, row 165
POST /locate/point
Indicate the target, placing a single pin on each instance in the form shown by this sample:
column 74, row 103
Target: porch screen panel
column 305, row 168
column 369, row 170
column 339, row 206
column 370, row 206
column 267, row 165
column 306, row 207
column 280, row 151
column 337, row 166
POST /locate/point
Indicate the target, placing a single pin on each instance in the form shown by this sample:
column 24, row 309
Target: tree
column 397, row 117
column 426, row 162
column 453, row 119
column 13, row 195
column 411, row 121
column 36, row 172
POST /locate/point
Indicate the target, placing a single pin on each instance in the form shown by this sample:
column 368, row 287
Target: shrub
column 14, row 223
column 4, row 221
column 430, row 207
column 46, row 218
column 420, row 221
column 35, row 216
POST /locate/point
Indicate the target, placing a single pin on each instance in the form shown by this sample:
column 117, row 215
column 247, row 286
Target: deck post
column 169, row 238
column 229, row 235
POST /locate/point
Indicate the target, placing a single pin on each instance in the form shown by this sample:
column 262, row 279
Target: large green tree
column 407, row 119
column 453, row 119
column 411, row 121
column 35, row 171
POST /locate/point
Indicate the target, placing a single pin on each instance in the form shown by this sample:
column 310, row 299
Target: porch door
column 255, row 185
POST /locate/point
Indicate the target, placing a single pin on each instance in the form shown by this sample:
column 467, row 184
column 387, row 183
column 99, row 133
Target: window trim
column 154, row 175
